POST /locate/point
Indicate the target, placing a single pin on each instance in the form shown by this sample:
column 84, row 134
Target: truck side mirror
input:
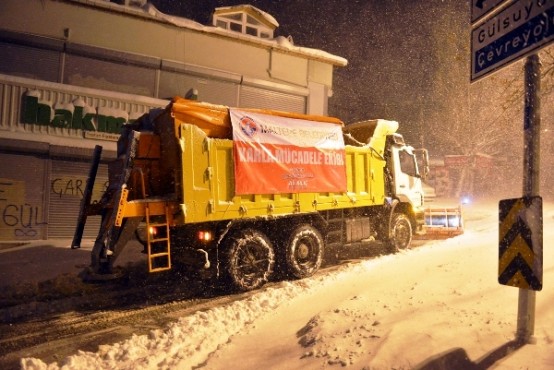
column 422, row 158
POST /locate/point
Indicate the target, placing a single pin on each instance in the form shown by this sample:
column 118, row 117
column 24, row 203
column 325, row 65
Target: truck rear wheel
column 250, row 259
column 304, row 252
column 400, row 232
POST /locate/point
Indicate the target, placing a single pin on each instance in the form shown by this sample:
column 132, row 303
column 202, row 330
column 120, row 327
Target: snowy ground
column 431, row 305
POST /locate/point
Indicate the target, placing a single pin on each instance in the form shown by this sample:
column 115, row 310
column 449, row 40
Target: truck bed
column 207, row 183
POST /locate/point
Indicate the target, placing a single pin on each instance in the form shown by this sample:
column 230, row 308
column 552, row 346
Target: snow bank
column 185, row 343
column 189, row 342
column 397, row 311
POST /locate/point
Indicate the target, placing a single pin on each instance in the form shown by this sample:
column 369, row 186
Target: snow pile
column 184, row 344
column 437, row 302
column 357, row 328
column 189, row 342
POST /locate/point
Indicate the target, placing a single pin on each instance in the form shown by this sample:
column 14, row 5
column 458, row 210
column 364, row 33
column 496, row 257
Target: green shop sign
column 75, row 115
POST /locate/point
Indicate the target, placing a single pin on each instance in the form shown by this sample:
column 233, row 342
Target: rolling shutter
column 67, row 183
column 24, row 61
column 255, row 97
column 22, row 196
column 209, row 90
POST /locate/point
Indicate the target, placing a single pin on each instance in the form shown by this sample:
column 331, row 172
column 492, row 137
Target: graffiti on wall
column 71, row 186
column 18, row 218
column 99, row 122
column 24, row 220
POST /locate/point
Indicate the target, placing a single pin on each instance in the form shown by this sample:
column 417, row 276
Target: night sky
column 409, row 61
column 393, row 48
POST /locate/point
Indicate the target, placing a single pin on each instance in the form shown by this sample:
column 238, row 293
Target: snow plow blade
column 442, row 223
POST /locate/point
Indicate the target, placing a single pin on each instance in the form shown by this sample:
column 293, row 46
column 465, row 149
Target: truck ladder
column 158, row 242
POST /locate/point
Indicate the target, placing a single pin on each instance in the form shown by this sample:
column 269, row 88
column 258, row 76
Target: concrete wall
column 107, row 26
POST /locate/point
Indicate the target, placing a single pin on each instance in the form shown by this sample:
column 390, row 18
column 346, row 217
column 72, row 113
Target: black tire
column 304, row 252
column 400, row 232
column 250, row 259
column 140, row 235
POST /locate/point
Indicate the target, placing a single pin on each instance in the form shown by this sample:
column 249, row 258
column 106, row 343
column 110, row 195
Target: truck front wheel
column 400, row 232
column 250, row 259
column 304, row 252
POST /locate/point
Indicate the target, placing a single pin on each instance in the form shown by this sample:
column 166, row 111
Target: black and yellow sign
column 520, row 243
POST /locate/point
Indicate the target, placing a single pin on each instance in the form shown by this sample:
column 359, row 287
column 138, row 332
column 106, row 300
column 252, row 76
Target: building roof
column 279, row 43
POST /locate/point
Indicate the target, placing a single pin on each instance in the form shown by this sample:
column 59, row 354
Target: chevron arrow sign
column 520, row 242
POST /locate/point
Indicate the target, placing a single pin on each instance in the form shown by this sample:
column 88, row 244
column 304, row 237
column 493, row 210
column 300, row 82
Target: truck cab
column 403, row 175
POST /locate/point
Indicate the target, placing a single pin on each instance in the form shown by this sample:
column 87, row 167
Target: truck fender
column 222, row 236
column 393, row 205
column 388, row 210
column 390, row 207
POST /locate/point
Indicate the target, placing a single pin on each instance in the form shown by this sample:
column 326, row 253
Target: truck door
column 408, row 185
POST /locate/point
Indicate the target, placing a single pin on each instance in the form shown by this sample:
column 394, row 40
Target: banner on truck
column 274, row 154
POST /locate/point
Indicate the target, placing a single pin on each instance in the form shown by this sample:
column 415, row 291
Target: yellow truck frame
column 173, row 180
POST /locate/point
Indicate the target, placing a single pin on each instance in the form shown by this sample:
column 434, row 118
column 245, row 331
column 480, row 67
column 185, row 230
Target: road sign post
column 531, row 184
column 504, row 31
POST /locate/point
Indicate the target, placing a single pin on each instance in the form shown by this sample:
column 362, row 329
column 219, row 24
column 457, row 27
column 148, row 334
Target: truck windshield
column 408, row 163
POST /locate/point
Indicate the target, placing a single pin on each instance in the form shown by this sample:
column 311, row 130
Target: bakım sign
column 75, row 115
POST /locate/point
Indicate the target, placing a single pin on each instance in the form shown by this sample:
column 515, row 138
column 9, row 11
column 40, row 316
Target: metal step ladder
column 158, row 245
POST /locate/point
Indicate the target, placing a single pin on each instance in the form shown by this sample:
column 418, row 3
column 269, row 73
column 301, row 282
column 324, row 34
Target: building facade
column 73, row 71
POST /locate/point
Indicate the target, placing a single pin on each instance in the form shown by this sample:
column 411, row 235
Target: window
column 243, row 23
column 234, row 17
column 235, row 27
column 407, row 163
column 251, row 31
column 252, row 20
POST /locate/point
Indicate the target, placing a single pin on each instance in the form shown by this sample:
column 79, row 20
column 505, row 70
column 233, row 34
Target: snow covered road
column 398, row 311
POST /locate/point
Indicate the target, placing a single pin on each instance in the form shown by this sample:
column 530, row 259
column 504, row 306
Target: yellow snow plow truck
column 240, row 192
